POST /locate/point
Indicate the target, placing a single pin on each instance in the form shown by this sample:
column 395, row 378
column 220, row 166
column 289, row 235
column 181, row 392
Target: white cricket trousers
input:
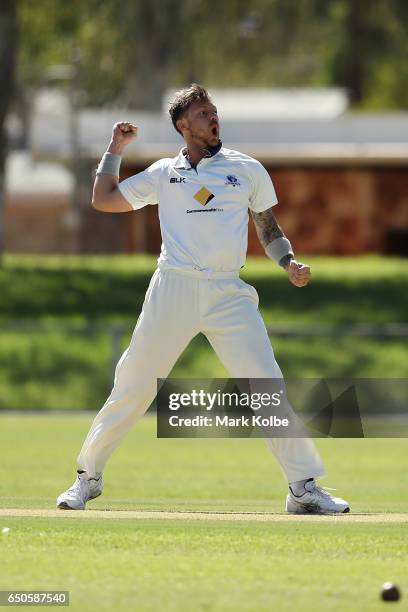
column 179, row 305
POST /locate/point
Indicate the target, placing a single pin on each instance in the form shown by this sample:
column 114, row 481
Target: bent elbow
column 94, row 204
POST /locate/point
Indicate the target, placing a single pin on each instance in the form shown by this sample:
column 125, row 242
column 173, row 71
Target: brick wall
column 340, row 210
column 343, row 210
column 40, row 225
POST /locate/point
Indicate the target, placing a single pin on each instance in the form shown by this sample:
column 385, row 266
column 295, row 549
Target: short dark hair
column 184, row 99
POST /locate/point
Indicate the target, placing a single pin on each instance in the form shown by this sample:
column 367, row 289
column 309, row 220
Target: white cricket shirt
column 203, row 212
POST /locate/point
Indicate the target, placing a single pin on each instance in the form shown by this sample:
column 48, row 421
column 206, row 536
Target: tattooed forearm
column 266, row 226
column 277, row 246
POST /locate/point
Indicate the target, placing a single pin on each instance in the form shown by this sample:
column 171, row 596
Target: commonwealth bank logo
column 203, row 196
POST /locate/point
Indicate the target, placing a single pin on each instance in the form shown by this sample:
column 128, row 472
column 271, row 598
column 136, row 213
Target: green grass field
column 193, row 524
column 243, row 555
column 58, row 369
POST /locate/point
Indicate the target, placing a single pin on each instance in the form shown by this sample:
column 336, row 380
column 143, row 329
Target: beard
column 205, row 141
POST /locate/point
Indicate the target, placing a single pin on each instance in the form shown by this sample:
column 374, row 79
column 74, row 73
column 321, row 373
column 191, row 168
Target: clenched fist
column 122, row 134
column 299, row 274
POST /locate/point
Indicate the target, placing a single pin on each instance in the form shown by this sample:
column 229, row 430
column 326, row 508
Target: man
column 203, row 194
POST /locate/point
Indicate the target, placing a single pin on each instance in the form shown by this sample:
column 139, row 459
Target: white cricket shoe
column 315, row 500
column 82, row 490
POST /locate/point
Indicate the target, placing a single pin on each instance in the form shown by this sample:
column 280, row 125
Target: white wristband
column 109, row 164
column 278, row 248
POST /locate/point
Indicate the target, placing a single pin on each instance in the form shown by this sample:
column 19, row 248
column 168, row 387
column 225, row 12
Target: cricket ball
column 390, row 592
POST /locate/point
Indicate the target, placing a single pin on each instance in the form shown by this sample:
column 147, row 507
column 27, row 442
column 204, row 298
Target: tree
column 368, row 51
column 131, row 51
column 8, row 34
column 150, row 33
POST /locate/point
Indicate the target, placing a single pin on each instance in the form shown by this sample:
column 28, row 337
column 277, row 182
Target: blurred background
column 316, row 90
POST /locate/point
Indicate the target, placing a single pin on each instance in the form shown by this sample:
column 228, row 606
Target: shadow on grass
column 93, row 293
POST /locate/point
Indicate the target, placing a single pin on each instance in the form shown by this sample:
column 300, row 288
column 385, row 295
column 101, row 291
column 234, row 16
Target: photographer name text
column 226, row 421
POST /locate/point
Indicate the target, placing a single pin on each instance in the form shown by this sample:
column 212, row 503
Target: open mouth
column 214, row 130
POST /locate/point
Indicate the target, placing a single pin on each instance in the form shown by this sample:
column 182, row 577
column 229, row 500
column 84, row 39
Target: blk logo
column 177, row 180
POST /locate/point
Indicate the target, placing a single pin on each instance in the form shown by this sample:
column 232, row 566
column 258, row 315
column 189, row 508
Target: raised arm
column 106, row 196
column 278, row 247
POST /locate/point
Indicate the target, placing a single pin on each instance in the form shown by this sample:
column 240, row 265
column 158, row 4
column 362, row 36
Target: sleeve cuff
column 264, row 207
column 127, row 194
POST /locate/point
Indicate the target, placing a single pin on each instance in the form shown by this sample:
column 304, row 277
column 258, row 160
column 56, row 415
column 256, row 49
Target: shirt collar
column 182, row 159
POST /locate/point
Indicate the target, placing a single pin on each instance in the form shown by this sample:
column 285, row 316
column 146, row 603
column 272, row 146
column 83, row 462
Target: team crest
column 232, row 180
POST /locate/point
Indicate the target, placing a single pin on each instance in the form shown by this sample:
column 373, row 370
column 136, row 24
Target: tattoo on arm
column 267, row 227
